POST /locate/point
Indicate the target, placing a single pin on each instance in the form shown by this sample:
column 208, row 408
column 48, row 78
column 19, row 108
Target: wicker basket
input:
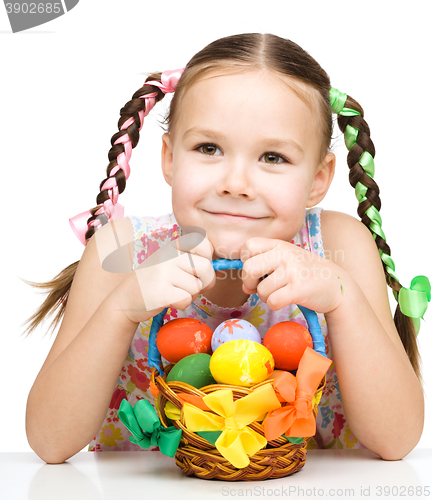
column 197, row 456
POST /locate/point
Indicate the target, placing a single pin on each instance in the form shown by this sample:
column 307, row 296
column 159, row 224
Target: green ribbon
column 143, row 423
column 414, row 301
column 210, row 436
column 337, row 100
column 294, row 440
column 350, row 135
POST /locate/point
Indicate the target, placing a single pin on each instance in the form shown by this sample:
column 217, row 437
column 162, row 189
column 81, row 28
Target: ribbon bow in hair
column 144, row 425
column 413, row 301
column 168, row 81
column 296, row 419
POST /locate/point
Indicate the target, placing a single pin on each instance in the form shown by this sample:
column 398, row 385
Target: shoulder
column 110, row 238
column 92, row 283
column 346, row 238
column 349, row 244
column 335, row 225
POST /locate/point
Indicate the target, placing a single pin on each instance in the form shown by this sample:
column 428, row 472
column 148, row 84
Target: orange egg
column 287, row 341
column 183, row 336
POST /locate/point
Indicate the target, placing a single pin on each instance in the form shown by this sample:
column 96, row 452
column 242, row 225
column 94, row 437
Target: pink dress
column 134, row 379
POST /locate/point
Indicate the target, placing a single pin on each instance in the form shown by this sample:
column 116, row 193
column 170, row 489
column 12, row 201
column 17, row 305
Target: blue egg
column 233, row 329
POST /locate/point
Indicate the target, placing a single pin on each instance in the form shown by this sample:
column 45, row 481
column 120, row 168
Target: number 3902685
column 33, row 8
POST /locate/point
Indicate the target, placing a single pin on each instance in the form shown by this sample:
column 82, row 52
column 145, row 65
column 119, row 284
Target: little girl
column 247, row 156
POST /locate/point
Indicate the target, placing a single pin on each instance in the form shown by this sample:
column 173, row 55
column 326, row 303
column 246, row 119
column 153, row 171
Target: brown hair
column 238, row 53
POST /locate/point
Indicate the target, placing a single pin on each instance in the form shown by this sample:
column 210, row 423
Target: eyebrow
column 266, row 142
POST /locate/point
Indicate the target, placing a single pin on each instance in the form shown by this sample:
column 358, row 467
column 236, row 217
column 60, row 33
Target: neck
column 228, row 290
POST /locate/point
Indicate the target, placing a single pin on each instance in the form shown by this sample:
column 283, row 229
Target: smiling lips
column 234, row 216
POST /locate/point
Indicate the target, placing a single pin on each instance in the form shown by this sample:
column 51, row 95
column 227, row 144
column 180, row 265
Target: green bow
column 413, row 302
column 146, row 428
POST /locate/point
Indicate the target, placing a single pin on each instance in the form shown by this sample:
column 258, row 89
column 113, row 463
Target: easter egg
column 183, row 336
column 241, row 362
column 193, row 370
column 233, row 329
column 287, row 341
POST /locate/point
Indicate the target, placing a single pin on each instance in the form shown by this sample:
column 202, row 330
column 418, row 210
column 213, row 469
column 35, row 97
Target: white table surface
column 151, row 475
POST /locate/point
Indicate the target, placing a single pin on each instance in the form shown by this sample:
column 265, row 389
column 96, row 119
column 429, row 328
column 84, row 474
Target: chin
column 225, row 249
column 229, row 254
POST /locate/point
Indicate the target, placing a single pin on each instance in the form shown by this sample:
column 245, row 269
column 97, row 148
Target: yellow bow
column 237, row 441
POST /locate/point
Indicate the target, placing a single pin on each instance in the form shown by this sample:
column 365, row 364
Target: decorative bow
column 237, row 441
column 296, row 418
column 146, row 429
column 169, row 80
column 413, row 301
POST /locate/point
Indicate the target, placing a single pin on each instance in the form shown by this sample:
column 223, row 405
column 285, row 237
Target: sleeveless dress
column 134, row 380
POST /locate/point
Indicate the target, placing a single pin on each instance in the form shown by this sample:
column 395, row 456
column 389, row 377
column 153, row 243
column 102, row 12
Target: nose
column 237, row 179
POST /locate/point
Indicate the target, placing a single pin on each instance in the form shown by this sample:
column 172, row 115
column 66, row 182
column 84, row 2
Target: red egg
column 287, row 341
column 183, row 336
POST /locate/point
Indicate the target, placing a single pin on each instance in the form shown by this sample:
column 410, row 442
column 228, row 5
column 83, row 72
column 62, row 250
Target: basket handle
column 154, row 357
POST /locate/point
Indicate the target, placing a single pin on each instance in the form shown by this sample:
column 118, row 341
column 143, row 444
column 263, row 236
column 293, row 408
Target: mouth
column 233, row 217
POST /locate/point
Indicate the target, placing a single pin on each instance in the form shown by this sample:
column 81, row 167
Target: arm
column 382, row 397
column 68, row 401
column 70, row 396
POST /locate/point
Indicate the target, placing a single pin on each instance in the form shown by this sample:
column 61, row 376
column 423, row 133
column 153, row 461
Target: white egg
column 232, row 329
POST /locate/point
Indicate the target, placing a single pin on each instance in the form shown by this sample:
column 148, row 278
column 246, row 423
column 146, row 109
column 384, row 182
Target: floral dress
column 134, row 379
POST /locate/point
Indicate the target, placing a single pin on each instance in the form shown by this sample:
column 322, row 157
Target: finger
column 162, row 293
column 249, row 290
column 176, row 247
column 272, row 283
column 280, row 298
column 171, row 284
column 255, row 246
column 211, row 284
column 184, row 303
column 194, row 240
column 198, row 267
column 255, row 269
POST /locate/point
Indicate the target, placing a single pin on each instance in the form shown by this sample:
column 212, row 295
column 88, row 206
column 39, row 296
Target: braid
column 122, row 142
column 362, row 169
column 361, row 172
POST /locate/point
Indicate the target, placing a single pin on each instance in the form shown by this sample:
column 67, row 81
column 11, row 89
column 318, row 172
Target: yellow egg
column 241, row 362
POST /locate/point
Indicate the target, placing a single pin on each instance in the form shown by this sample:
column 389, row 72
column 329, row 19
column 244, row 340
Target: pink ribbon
column 111, row 208
column 168, row 81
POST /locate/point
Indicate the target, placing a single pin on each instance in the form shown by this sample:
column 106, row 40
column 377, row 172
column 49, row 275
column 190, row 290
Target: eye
column 274, row 158
column 207, row 149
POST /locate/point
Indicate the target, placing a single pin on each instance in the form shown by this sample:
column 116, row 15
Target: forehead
column 248, row 104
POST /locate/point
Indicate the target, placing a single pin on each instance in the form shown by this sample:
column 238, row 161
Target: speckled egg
column 233, row 329
column 241, row 362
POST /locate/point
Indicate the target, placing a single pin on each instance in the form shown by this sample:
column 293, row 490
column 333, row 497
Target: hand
column 173, row 276
column 295, row 276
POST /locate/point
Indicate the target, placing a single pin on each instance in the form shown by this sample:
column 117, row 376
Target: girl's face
column 244, row 144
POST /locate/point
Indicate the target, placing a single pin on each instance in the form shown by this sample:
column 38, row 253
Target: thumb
column 257, row 245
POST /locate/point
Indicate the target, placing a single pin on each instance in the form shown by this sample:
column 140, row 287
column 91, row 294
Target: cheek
column 185, row 188
column 288, row 194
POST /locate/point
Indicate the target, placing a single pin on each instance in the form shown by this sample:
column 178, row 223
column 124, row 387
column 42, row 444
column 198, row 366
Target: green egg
column 193, row 370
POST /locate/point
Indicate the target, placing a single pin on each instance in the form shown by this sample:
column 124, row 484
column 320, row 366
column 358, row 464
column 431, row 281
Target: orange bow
column 296, row 418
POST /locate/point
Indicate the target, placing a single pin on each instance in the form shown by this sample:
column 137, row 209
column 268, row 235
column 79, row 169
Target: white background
column 61, row 89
